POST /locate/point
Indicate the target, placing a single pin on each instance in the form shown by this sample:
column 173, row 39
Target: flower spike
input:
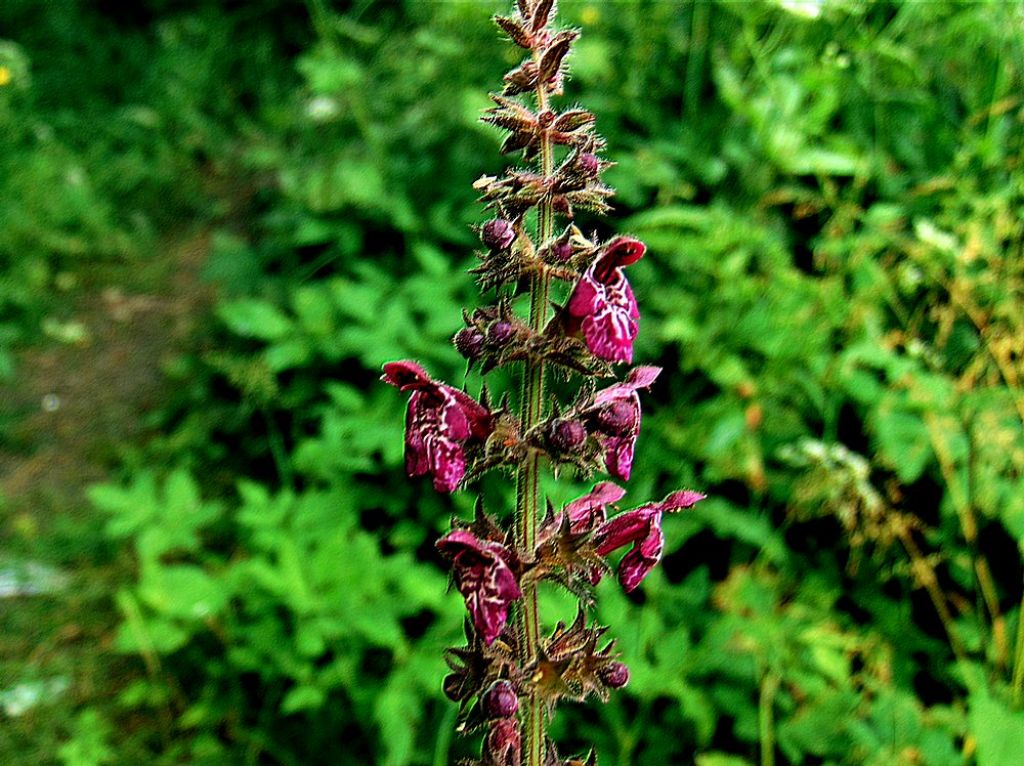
column 511, row 675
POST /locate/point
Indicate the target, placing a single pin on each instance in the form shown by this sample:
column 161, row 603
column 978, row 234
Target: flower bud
column 614, row 674
column 500, row 700
column 497, row 234
column 562, row 252
column 502, row 746
column 470, row 342
column 588, row 164
column 567, row 435
column 500, row 333
column 545, row 118
column 617, row 418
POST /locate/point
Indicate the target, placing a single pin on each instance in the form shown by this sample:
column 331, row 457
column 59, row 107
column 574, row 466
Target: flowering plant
column 510, row 675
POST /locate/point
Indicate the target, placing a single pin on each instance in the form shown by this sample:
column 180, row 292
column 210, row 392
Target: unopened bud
column 562, row 251
column 500, row 700
column 470, row 342
column 500, row 333
column 588, row 164
column 617, row 418
column 497, row 234
column 502, row 746
column 567, row 435
column 614, row 674
column 545, row 118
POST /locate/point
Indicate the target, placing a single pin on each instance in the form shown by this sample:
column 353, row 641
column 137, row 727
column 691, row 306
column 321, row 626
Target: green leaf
column 398, row 712
column 721, row 759
column 303, row 698
column 90, row 741
column 903, row 440
column 998, row 730
column 254, row 319
column 182, row 590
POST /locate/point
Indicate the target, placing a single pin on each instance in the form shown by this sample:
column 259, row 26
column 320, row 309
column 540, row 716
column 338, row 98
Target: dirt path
column 73, row 411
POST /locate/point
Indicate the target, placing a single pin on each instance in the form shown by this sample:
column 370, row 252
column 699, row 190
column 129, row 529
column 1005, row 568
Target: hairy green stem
column 528, row 479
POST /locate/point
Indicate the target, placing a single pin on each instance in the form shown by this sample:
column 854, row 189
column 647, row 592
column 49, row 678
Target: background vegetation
column 218, row 220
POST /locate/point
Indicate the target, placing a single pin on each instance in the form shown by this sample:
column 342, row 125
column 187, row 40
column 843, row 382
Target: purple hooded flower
column 641, row 528
column 483, row 577
column 439, row 421
column 602, row 303
column 614, row 415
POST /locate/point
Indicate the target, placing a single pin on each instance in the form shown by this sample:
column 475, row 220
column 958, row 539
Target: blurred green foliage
column 832, row 197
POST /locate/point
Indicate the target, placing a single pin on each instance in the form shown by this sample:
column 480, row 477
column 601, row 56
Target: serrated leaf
column 183, row 590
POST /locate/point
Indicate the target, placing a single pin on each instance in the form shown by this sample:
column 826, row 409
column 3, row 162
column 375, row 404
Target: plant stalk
column 766, row 717
column 1018, row 661
column 528, row 479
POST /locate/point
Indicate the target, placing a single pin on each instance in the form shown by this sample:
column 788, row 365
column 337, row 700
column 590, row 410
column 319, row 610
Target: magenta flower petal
column 584, row 298
column 446, row 464
column 624, row 529
column 483, row 577
column 439, row 421
column 678, row 501
column 642, row 376
column 618, row 457
column 643, row 557
column 405, row 375
column 614, row 414
column 602, row 304
column 590, row 506
column 641, row 528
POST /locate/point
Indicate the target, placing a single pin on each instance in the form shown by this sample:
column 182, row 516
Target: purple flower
column 641, row 528
column 602, row 304
column 439, row 421
column 614, row 415
column 483, row 577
